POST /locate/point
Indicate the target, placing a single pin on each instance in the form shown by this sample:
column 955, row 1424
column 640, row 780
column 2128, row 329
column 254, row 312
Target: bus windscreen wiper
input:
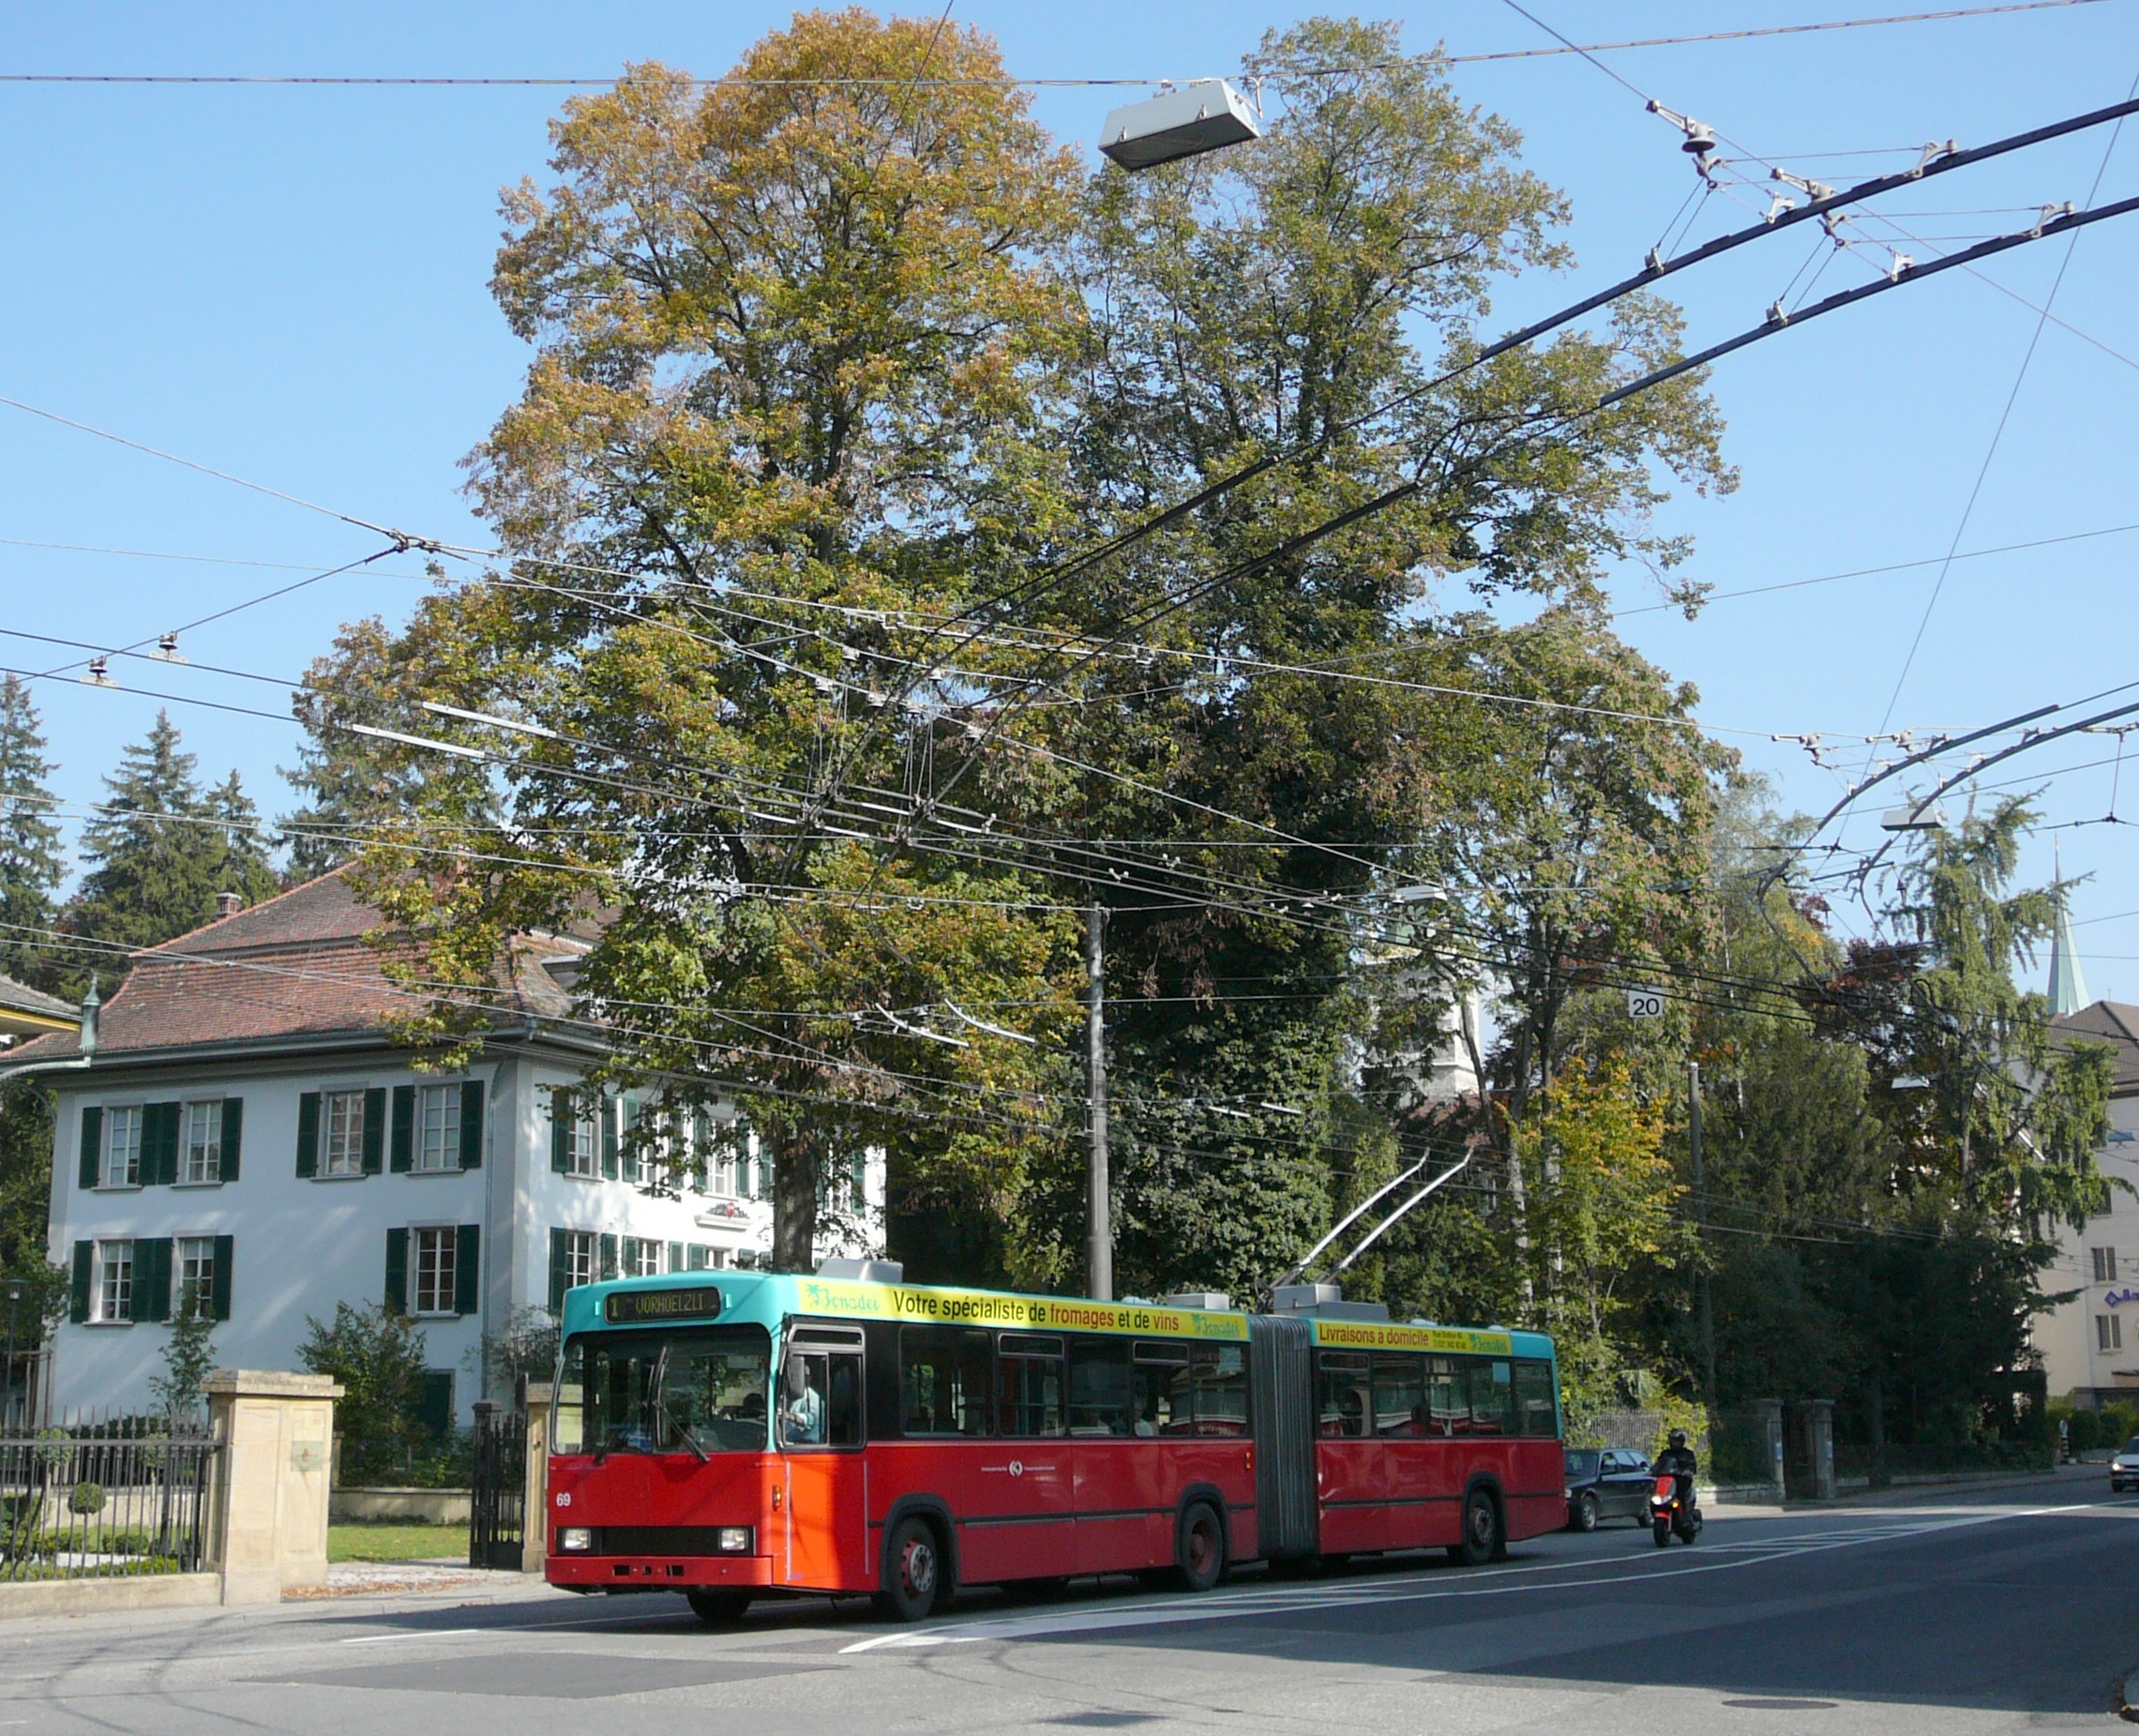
column 660, row 1400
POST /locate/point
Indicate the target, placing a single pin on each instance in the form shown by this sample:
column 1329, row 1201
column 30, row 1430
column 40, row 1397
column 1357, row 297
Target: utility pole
column 1704, row 1304
column 1099, row 1243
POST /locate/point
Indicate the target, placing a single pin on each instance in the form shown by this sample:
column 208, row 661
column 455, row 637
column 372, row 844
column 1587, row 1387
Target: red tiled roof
column 295, row 965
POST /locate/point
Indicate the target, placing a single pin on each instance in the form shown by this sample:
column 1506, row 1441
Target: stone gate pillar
column 1771, row 1441
column 1819, row 1446
column 535, row 1523
column 267, row 1526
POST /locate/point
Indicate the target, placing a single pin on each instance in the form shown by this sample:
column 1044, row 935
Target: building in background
column 248, row 1135
column 2090, row 1345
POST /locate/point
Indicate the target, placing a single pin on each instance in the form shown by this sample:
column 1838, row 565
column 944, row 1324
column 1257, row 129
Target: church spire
column 2067, row 987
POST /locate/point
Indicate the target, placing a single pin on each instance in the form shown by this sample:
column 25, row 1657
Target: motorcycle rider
column 1678, row 1460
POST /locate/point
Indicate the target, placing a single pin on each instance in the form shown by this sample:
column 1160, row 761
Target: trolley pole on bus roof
column 1099, row 1242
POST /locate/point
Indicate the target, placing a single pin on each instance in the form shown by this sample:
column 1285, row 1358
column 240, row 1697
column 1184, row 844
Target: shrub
column 85, row 1497
column 2086, row 1431
column 378, row 1358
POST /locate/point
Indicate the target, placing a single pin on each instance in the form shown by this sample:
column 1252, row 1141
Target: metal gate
column 497, row 1507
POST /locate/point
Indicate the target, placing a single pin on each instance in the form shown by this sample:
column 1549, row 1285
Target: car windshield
column 2133, row 1446
column 1581, row 1464
column 700, row 1392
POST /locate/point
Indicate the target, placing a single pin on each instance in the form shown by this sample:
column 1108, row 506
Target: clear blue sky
column 290, row 283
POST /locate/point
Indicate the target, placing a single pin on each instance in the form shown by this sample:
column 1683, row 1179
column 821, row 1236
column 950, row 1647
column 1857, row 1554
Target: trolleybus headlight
column 735, row 1540
column 575, row 1537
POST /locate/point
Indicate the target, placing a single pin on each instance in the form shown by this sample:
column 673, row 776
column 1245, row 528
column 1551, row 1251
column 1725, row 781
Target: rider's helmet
column 1678, row 1437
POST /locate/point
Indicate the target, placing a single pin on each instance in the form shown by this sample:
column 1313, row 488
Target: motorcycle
column 1670, row 1511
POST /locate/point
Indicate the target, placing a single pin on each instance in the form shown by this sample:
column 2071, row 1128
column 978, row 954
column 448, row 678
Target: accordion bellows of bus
column 735, row 1435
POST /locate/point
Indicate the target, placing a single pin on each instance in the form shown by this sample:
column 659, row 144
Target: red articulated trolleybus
column 735, row 1435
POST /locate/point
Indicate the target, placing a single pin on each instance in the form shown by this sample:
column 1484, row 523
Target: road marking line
column 414, row 1633
column 1291, row 1601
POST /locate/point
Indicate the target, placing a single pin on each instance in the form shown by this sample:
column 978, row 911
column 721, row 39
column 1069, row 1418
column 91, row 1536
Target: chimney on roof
column 228, row 904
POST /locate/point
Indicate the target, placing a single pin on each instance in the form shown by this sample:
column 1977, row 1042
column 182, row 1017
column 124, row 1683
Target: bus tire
column 914, row 1581
column 1199, row 1548
column 1482, row 1539
column 718, row 1606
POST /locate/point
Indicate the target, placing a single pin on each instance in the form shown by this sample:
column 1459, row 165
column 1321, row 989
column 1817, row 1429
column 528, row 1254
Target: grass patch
column 389, row 1542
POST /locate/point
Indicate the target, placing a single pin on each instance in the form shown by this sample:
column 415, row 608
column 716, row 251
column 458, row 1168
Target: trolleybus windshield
column 698, row 1389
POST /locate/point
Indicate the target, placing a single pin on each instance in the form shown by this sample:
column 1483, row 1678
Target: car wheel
column 1480, row 1529
column 913, row 1570
column 1199, row 1549
column 1586, row 1514
column 718, row 1606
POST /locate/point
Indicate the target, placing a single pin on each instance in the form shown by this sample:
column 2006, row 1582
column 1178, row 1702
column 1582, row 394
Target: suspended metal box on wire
column 1205, row 115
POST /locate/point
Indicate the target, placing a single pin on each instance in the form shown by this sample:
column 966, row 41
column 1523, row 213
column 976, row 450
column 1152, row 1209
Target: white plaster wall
column 2065, row 1334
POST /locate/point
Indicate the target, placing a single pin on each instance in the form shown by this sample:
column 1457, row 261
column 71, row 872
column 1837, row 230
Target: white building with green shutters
column 247, row 1135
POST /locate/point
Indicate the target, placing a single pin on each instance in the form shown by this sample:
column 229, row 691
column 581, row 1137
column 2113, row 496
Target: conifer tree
column 31, row 865
column 245, row 869
column 154, row 868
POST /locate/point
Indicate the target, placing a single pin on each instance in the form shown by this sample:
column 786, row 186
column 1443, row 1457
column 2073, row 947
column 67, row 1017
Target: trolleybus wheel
column 913, row 1570
column 1480, row 1531
column 718, row 1606
column 1199, row 1549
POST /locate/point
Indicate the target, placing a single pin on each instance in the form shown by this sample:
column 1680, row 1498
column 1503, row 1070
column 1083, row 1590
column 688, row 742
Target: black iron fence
column 103, row 1497
column 497, row 1488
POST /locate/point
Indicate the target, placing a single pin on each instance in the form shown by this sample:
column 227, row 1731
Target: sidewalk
column 2078, row 1478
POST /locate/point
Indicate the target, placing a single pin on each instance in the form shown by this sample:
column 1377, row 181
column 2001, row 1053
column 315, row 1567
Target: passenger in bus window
column 1102, row 1399
column 1346, row 1393
column 801, row 1419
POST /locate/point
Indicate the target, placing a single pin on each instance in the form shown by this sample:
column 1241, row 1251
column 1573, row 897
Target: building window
column 200, row 1159
column 858, row 1180
column 580, row 1256
column 115, row 1279
column 584, row 1137
column 438, row 1129
column 341, row 1114
column 2104, row 1264
column 122, row 1147
column 434, row 1272
column 193, row 1273
column 642, row 1258
column 2108, row 1333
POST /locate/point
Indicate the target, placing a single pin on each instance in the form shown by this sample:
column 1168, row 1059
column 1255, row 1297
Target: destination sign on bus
column 974, row 1307
column 635, row 1307
column 1381, row 1336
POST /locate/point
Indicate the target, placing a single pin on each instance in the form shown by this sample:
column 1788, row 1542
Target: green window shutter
column 85, row 1268
column 397, row 1297
column 561, row 1114
column 219, row 1283
column 234, row 1125
column 309, row 1134
column 611, row 1109
column 678, row 1259
column 403, row 1154
column 468, row 1269
column 152, row 1278
column 607, row 1246
column 159, row 1144
column 560, row 1267
column 434, row 1401
column 471, row 1097
column 91, row 1149
column 374, row 1129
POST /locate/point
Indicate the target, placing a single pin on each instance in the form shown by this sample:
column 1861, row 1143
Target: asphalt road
column 1982, row 1610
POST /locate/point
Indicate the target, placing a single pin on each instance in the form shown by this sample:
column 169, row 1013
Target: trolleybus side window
column 1029, row 1372
column 1164, row 1403
column 1492, row 1398
column 1219, row 1375
column 944, row 1381
column 1399, row 1394
column 1344, row 1392
column 1102, row 1397
column 1534, row 1398
column 1448, row 1397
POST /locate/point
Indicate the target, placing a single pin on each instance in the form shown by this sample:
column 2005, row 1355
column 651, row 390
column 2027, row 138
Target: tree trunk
column 795, row 1161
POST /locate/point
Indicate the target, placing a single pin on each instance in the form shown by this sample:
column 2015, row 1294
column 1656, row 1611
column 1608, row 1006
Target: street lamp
column 1206, row 114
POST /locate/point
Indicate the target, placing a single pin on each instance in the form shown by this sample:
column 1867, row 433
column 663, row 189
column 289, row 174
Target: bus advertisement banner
column 1382, row 1336
column 971, row 1308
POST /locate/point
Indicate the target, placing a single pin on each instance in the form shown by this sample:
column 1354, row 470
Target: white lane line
column 1289, row 1602
column 412, row 1633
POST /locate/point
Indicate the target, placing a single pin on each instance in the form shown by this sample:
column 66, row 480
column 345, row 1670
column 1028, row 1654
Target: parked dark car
column 1606, row 1483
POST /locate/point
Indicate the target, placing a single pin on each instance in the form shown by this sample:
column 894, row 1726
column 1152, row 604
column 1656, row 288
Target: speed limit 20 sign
column 1645, row 1004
